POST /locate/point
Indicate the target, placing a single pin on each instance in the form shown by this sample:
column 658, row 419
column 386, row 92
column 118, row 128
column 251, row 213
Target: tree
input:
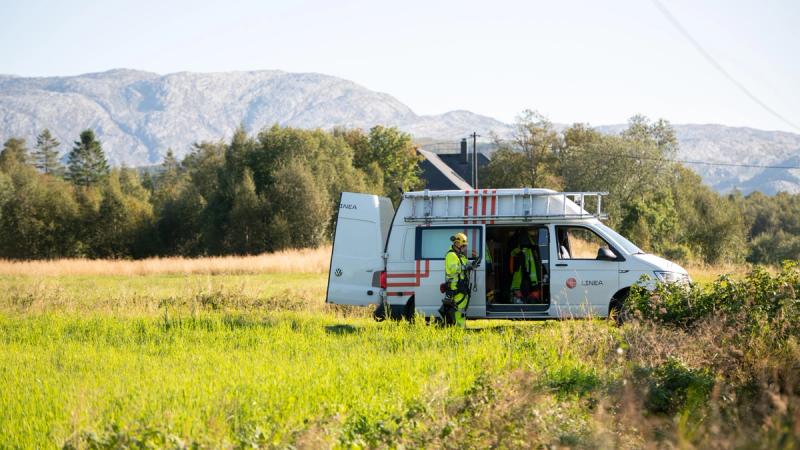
column 45, row 155
column 774, row 227
column 300, row 211
column 630, row 166
column 14, row 152
column 125, row 217
column 39, row 217
column 247, row 230
column 711, row 226
column 534, row 138
column 357, row 140
column 328, row 158
column 364, row 160
column 393, row 151
column 131, row 185
column 506, row 170
column 6, row 191
column 87, row 163
column 659, row 133
column 170, row 168
column 386, row 157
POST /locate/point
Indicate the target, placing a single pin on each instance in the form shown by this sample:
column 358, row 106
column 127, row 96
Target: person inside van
column 523, row 267
column 488, row 260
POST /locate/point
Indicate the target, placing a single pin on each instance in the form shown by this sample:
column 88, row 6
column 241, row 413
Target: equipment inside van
column 542, row 254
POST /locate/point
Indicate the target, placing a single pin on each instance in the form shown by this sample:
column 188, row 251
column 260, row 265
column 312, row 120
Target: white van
column 395, row 259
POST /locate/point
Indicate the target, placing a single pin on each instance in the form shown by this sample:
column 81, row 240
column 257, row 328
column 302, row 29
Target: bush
column 758, row 297
column 670, row 385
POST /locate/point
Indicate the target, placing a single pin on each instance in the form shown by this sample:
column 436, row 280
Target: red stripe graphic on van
column 475, row 204
column 494, row 203
column 483, row 205
column 417, row 276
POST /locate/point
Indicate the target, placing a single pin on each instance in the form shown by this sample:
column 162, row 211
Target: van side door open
column 358, row 245
column 431, row 245
column 585, row 273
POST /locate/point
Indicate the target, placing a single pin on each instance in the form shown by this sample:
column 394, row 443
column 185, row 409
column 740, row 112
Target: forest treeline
column 279, row 188
column 276, row 190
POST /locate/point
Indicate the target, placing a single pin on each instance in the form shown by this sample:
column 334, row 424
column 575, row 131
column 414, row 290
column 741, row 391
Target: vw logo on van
column 338, row 272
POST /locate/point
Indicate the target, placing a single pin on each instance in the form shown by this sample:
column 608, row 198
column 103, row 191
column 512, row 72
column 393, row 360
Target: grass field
column 226, row 358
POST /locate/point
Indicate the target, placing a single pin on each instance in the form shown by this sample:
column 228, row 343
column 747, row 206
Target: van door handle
column 561, row 265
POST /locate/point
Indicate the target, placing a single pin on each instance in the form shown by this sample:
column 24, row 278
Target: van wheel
column 616, row 309
column 395, row 312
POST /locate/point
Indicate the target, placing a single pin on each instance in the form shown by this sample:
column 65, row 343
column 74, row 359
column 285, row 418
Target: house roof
column 442, row 171
column 438, row 175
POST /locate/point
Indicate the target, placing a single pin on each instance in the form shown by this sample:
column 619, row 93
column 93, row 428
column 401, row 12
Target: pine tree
column 170, row 167
column 45, row 155
column 87, row 163
column 170, row 163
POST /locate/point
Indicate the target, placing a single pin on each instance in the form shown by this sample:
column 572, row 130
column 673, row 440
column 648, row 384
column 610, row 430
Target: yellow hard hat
column 459, row 239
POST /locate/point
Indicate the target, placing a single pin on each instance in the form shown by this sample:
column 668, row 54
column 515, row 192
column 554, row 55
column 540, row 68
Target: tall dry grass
column 288, row 261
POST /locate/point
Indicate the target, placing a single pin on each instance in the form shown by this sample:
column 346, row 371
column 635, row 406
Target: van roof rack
column 501, row 205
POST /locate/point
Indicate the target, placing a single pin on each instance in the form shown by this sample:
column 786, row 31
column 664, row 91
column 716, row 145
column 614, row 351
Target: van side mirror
column 605, row 254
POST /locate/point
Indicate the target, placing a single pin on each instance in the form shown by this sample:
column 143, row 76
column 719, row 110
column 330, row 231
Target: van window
column 579, row 243
column 623, row 242
column 434, row 242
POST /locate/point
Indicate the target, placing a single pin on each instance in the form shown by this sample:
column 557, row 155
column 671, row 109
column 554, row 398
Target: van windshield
column 626, row 245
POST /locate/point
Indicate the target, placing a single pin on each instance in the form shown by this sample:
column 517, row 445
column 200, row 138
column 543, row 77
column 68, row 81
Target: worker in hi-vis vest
column 456, row 273
column 523, row 268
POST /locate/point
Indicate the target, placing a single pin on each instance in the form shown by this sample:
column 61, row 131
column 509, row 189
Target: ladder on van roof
column 492, row 205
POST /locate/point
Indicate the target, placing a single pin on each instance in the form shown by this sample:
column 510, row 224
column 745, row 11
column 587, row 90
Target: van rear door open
column 358, row 244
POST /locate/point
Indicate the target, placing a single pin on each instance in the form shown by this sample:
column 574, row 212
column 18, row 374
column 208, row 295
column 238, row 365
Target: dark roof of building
column 448, row 170
column 438, row 175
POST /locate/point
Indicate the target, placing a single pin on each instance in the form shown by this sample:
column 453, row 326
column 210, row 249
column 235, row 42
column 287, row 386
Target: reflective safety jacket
column 528, row 266
column 455, row 268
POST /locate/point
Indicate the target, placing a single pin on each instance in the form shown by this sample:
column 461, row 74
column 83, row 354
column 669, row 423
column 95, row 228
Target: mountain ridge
column 138, row 115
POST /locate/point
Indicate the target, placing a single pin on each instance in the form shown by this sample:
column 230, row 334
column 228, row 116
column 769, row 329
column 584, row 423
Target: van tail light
column 443, row 288
column 383, row 279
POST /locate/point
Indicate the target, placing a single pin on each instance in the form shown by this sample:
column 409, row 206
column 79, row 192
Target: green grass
column 260, row 361
column 229, row 379
column 168, row 366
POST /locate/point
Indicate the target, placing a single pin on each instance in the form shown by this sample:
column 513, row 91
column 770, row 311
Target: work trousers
column 461, row 310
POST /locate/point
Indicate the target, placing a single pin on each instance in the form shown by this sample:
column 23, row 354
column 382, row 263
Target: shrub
column 760, row 297
column 670, row 385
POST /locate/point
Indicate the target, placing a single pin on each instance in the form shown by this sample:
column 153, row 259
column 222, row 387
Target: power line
column 652, row 158
column 718, row 66
column 684, row 161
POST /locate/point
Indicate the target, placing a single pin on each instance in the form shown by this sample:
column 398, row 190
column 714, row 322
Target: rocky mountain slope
column 138, row 115
column 738, row 145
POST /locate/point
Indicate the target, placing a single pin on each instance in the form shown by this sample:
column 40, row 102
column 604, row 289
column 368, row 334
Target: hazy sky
column 574, row 61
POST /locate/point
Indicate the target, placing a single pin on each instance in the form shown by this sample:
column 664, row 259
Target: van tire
column 397, row 312
column 411, row 310
column 616, row 309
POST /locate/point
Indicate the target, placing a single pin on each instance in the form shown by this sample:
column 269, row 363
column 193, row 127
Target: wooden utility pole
column 475, row 137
